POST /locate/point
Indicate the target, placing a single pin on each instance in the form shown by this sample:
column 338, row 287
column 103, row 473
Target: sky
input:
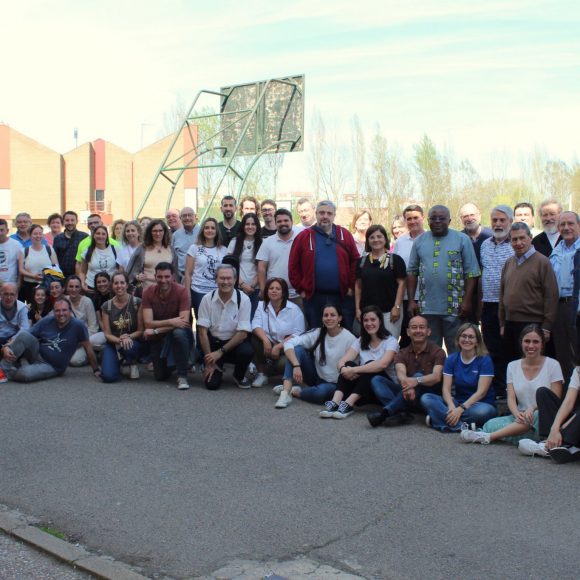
column 485, row 79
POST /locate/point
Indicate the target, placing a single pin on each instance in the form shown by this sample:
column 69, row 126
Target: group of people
column 343, row 322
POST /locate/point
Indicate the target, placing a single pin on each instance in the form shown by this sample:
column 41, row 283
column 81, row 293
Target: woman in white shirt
column 276, row 320
column 100, row 256
column 524, row 378
column 313, row 360
column 375, row 351
column 131, row 240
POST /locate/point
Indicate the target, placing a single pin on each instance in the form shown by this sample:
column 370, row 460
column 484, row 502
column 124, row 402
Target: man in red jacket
column 322, row 267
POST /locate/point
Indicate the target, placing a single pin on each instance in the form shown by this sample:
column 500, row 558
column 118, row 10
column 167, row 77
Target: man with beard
column 495, row 252
column 230, row 226
column 470, row 216
column 66, row 244
column 545, row 242
column 268, row 209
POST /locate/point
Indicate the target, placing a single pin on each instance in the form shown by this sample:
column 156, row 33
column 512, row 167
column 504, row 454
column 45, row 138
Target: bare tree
column 358, row 151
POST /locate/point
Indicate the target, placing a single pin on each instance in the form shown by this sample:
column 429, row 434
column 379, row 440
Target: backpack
column 49, row 274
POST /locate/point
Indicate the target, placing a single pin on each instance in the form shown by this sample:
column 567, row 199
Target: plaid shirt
column 66, row 250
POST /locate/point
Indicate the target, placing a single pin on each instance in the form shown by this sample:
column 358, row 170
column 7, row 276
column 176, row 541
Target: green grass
column 53, row 532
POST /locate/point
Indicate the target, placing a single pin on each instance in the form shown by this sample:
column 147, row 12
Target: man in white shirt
column 307, row 213
column 11, row 255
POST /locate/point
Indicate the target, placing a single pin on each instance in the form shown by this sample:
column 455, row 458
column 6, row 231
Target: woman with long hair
column 102, row 293
column 313, row 360
column 117, row 230
column 100, row 256
column 361, row 221
column 469, row 371
column 244, row 247
column 131, row 239
column 40, row 305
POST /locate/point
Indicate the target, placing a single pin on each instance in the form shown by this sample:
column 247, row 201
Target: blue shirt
column 327, row 280
column 562, row 260
column 26, row 243
column 466, row 376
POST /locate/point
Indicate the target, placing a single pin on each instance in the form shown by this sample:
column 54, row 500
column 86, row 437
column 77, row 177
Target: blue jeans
column 314, row 306
column 111, row 364
column 389, row 394
column 443, row 327
column 27, row 346
column 317, row 391
column 436, row 408
column 171, row 352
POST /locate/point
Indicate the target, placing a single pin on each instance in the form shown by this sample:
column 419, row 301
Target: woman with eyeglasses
column 468, row 372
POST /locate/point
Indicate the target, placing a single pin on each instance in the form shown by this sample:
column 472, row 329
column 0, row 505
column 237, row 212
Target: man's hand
column 211, row 358
column 465, row 309
column 8, row 354
column 177, row 322
column 412, row 308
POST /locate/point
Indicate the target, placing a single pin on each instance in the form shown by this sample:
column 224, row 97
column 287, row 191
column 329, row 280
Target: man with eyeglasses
column 172, row 219
column 444, row 261
column 268, row 208
column 185, row 236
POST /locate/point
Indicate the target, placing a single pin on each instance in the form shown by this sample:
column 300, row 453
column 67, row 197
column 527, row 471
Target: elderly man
column 545, row 242
column 11, row 255
column 223, row 327
column 23, row 221
column 13, row 314
column 306, row 213
column 185, row 236
column 562, row 260
column 172, row 219
column 528, row 292
column 470, row 216
column 322, row 267
column 229, row 226
column 444, row 261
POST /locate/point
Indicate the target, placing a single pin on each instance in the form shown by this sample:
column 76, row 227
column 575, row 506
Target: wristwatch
column 155, row 331
column 419, row 380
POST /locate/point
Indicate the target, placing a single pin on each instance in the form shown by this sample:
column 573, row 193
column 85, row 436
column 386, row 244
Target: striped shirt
column 493, row 257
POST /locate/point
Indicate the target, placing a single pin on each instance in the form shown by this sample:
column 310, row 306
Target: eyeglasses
column 467, row 337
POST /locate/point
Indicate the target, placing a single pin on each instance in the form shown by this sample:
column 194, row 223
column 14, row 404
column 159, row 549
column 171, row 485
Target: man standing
column 495, row 252
column 528, row 291
column 172, row 219
column 322, row 267
column 306, row 212
column 249, row 204
column 524, row 212
column 66, row 244
column 11, row 255
column 23, row 221
column 545, row 242
column 470, row 216
column 166, row 313
column 184, row 237
column 562, row 260
column 223, row 327
column 268, row 209
column 445, row 263
column 230, row 226
column 419, row 368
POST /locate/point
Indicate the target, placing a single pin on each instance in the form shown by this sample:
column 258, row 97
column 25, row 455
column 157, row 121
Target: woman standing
column 380, row 280
column 470, row 372
column 130, row 240
column 398, row 228
column 244, row 247
column 117, row 230
column 361, row 221
column 313, row 361
column 100, row 256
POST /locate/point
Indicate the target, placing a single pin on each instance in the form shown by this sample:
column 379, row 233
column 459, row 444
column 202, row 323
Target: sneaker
column 344, row 410
column 252, row 370
column 428, row 420
column 278, row 389
column 283, row 401
column 565, row 454
column 243, row 383
column 3, row 378
column 330, row 407
column 261, row 380
column 469, row 436
column 182, row 383
column 398, row 420
column 296, row 391
column 530, row 447
column 133, row 372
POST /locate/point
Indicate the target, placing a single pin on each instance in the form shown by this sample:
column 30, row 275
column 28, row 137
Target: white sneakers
column 469, row 436
column 261, row 380
column 134, row 372
column 182, row 383
column 530, row 447
column 283, row 400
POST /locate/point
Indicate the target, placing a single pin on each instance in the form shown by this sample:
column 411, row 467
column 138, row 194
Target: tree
column 358, row 151
column 433, row 174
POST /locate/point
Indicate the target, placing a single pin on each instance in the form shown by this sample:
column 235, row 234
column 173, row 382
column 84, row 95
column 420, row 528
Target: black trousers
column 241, row 357
column 548, row 405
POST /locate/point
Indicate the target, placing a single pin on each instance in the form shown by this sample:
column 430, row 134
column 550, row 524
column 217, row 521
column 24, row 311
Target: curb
column 15, row 525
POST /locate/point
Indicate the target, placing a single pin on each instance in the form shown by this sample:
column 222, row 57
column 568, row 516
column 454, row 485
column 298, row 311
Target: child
column 39, row 305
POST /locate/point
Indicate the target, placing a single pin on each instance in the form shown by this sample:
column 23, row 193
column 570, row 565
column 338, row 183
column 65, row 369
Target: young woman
column 470, row 372
column 123, row 329
column 102, row 293
column 361, row 221
column 117, row 230
column 524, row 378
column 100, row 256
column 375, row 351
column 55, row 290
column 276, row 321
column 398, row 228
column 313, row 361
column 244, row 247
column 36, row 257
column 40, row 305
column 131, row 240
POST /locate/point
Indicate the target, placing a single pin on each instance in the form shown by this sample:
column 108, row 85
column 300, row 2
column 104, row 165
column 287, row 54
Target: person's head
column 439, row 220
column 54, row 222
column 325, row 214
column 56, row 288
column 102, row 282
column 550, row 211
column 501, row 220
column 249, row 204
column 70, row 219
column 40, row 296
column 132, row 233
column 164, row 275
column 331, row 316
column 305, row 210
column 376, row 238
column 144, row 222
column 470, row 216
column 468, row 338
column 73, row 286
column 225, row 277
column 93, row 221
column 418, row 330
column 100, row 237
column 36, row 233
column 62, row 311
column 361, row 221
column 250, row 225
column 569, row 227
column 209, row 233
column 120, row 283
column 398, row 227
column 8, row 294
column 228, row 206
column 23, row 221
column 268, row 208
column 372, row 325
column 283, row 219
column 3, row 230
column 157, row 233
column 117, row 230
column 520, row 238
column 532, row 341
column 188, row 218
column 276, row 289
column 172, row 219
column 524, row 212
column 414, row 219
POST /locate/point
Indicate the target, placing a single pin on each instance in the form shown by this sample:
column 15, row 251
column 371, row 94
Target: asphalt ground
column 181, row 483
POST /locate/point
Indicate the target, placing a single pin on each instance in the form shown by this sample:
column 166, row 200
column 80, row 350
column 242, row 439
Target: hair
column 413, row 207
column 239, row 245
column 283, row 211
column 22, row 214
column 285, row 291
column 148, row 237
column 398, row 219
column 54, row 216
column 546, row 202
column 102, row 275
column 439, row 207
column 33, row 227
column 480, row 349
column 326, row 203
column 46, row 307
column 70, row 278
column 93, row 244
column 536, row 328
column 372, row 229
column 164, row 266
column 144, row 217
column 93, row 215
column 252, row 199
column 382, row 332
column 70, row 212
column 576, row 216
column 524, row 204
column 228, row 198
column 521, row 226
column 357, row 215
column 3, row 222
column 201, row 239
column 304, row 200
column 124, row 274
column 64, row 299
column 114, row 225
column 137, row 225
column 269, row 202
column 59, row 281
column 323, row 332
column 226, row 267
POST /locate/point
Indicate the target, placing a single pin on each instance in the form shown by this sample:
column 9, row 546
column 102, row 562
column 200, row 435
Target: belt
column 566, row 299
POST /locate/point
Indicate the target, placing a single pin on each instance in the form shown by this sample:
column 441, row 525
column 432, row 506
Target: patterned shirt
column 66, row 250
column 493, row 257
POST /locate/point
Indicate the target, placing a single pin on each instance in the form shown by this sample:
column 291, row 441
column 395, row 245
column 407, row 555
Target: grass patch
column 53, row 532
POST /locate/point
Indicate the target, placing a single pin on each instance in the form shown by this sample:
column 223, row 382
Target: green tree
column 433, row 173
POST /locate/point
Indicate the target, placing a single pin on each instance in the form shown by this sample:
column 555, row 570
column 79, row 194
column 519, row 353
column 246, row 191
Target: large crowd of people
column 343, row 316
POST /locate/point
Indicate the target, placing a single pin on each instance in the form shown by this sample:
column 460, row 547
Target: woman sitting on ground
column 524, row 378
column 470, row 372
column 375, row 351
column 102, row 293
column 313, row 361
column 276, row 321
column 123, row 329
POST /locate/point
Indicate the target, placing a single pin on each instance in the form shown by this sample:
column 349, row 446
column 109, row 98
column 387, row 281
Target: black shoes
column 383, row 418
column 377, row 418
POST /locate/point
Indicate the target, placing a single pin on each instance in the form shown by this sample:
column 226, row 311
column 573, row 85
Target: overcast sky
column 480, row 77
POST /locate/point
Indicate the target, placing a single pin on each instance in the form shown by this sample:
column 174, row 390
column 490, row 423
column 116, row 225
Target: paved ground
column 181, row 484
